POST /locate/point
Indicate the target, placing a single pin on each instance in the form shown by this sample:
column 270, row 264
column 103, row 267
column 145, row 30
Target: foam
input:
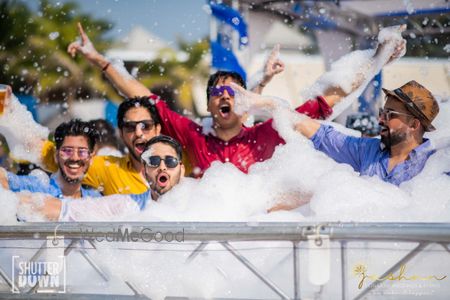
column 22, row 132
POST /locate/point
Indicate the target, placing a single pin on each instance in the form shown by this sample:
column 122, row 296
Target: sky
column 167, row 19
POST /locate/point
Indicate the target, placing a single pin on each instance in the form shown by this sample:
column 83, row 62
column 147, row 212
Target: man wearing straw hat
column 402, row 151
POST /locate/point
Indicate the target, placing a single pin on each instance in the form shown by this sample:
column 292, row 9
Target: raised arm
column 114, row 71
column 352, row 72
column 247, row 101
column 272, row 67
column 25, row 137
column 38, row 207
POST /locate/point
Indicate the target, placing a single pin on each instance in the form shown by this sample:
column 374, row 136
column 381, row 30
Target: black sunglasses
column 144, row 125
column 170, row 161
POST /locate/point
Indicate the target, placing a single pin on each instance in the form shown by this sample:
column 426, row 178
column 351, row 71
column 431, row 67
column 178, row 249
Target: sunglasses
column 390, row 114
column 144, row 125
column 68, row 152
column 218, row 91
column 170, row 161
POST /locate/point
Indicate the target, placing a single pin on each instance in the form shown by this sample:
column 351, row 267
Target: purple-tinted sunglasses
column 218, row 91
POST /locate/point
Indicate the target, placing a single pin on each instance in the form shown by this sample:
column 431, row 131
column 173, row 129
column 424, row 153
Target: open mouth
column 140, row 147
column 383, row 129
column 73, row 168
column 162, row 180
column 74, row 165
column 225, row 110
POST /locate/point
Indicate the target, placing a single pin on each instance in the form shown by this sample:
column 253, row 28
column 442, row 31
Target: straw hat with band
column 418, row 101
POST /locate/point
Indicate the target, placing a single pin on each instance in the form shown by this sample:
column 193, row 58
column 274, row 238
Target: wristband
column 106, row 67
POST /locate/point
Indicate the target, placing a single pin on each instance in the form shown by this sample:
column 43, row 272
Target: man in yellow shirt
column 138, row 122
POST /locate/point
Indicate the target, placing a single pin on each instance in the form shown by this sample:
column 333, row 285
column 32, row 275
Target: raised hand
column 273, row 65
column 84, row 46
column 391, row 42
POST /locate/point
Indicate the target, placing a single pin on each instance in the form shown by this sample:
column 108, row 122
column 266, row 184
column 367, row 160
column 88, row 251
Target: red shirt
column 252, row 144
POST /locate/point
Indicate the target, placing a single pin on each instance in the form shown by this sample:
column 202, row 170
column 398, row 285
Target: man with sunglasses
column 75, row 142
column 230, row 140
column 163, row 170
column 402, row 151
column 138, row 122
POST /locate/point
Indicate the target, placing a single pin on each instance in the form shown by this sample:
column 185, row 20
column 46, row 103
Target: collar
column 55, row 185
column 422, row 149
column 425, row 146
column 240, row 135
column 128, row 164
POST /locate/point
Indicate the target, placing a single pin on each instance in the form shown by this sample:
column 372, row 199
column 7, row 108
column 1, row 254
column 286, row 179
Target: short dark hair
column 75, row 127
column 145, row 102
column 168, row 141
column 214, row 79
column 106, row 134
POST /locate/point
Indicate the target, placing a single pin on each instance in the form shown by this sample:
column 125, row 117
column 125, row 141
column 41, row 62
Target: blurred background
column 172, row 46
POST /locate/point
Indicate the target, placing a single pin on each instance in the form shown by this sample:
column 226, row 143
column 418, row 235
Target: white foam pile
column 358, row 67
column 337, row 193
column 21, row 131
column 296, row 170
column 9, row 202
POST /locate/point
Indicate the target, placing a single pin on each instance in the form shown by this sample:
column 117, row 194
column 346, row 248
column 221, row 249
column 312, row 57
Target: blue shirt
column 141, row 199
column 33, row 184
column 366, row 156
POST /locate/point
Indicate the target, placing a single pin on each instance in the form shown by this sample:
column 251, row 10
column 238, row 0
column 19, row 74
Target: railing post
column 296, row 271
column 344, row 269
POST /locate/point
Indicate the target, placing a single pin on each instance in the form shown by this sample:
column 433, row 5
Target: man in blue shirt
column 402, row 151
column 75, row 142
column 163, row 170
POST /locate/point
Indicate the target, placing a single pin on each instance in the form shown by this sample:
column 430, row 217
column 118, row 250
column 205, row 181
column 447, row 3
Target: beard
column 133, row 154
column 69, row 179
column 393, row 138
column 159, row 190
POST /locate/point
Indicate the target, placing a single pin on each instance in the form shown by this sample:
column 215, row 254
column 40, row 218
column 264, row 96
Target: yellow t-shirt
column 108, row 174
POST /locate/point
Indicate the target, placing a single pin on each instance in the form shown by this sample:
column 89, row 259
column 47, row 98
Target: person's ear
column 183, row 170
column 158, row 129
column 94, row 151
column 416, row 124
column 55, row 155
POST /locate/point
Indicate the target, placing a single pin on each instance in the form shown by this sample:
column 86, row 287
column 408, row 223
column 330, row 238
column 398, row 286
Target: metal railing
column 227, row 233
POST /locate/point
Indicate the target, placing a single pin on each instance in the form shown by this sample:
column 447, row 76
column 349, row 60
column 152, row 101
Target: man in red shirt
column 230, row 141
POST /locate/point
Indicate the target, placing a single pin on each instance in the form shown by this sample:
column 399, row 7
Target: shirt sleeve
column 24, row 183
column 175, row 125
column 315, row 108
column 48, row 157
column 342, row 148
